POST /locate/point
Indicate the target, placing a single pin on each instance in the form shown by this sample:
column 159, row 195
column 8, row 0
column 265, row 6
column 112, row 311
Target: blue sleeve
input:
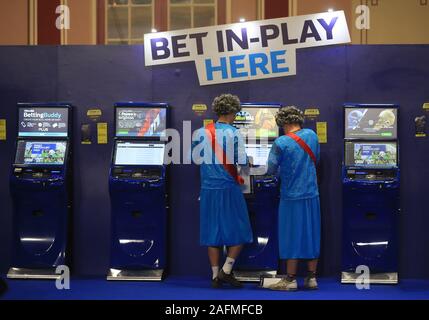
column 274, row 159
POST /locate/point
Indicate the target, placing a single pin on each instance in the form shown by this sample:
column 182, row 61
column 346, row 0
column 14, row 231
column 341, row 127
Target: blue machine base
column 198, row 288
column 261, row 258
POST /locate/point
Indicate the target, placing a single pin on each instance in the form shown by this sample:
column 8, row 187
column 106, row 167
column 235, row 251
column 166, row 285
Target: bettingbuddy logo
column 42, row 115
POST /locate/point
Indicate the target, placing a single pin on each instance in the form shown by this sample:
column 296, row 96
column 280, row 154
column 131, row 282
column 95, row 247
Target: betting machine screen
column 259, row 153
column 41, row 152
column 371, row 123
column 371, row 154
column 257, row 122
column 141, row 122
column 43, row 122
column 138, row 153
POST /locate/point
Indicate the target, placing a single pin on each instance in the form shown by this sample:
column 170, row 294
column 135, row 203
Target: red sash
column 221, row 156
column 304, row 146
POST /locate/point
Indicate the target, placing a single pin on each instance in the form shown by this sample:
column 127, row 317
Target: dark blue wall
column 327, row 77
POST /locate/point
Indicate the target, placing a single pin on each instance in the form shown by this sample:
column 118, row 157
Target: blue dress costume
column 224, row 219
column 299, row 210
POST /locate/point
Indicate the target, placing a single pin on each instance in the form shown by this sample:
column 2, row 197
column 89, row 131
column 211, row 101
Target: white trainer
column 310, row 283
column 285, row 285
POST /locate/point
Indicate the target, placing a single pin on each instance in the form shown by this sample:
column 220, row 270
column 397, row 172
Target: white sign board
column 246, row 51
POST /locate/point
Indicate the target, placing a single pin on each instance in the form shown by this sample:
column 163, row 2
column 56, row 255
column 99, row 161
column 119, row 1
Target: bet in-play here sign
column 246, row 51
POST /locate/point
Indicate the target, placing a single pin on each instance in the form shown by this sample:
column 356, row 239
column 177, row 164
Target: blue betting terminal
column 41, row 190
column 371, row 193
column 138, row 193
column 258, row 127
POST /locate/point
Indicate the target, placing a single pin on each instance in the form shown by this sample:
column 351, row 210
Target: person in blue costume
column 299, row 210
column 224, row 219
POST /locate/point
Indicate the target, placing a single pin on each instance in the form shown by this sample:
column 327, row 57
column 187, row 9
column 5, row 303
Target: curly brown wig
column 226, row 104
column 289, row 115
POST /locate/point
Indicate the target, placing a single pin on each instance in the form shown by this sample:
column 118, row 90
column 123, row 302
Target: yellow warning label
column 322, row 132
column 2, row 129
column 94, row 114
column 102, row 133
column 199, row 109
column 312, row 112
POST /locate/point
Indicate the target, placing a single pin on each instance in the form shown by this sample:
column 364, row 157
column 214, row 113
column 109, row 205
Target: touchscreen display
column 378, row 154
column 43, row 122
column 130, row 153
column 141, row 122
column 371, row 123
column 41, row 152
column 259, row 153
column 258, row 122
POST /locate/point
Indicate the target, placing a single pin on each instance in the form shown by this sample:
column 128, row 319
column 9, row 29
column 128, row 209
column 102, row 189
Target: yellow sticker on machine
column 102, row 133
column 94, row 114
column 322, row 132
column 2, row 129
column 199, row 109
column 312, row 112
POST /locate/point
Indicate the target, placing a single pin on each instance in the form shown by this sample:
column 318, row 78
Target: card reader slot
column 138, row 174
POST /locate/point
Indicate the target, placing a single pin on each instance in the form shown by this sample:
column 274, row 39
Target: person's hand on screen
column 251, row 161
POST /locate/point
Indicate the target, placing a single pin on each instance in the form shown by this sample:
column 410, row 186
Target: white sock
column 215, row 271
column 227, row 267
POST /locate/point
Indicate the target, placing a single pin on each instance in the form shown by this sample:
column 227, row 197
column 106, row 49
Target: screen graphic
column 128, row 153
column 43, row 122
column 260, row 122
column 259, row 153
column 371, row 123
column 141, row 122
column 371, row 154
column 41, row 153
